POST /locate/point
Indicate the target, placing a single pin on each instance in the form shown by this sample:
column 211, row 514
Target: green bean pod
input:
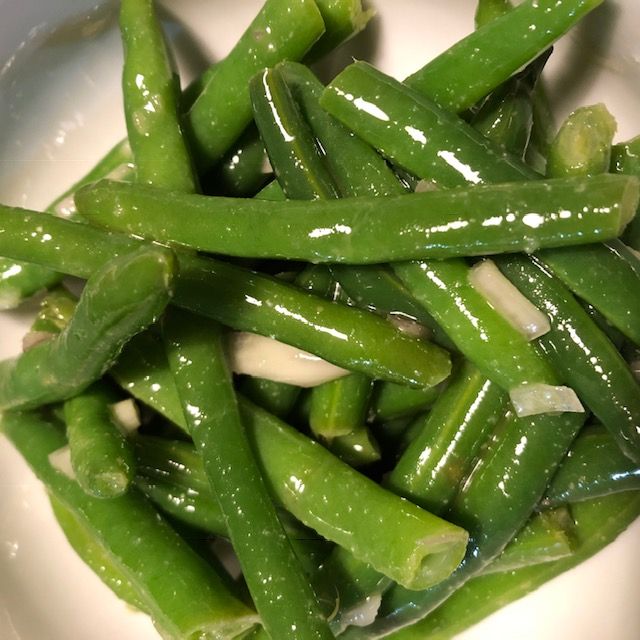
column 440, row 456
column 55, row 312
column 281, row 30
column 339, row 407
column 436, row 224
column 597, row 523
column 594, row 467
column 295, row 156
column 282, row 595
column 480, row 62
column 584, row 269
column 275, row 397
column 625, row 159
column 582, row 354
column 101, row 456
column 253, row 302
column 488, row 10
column 501, row 353
column 548, row 536
column 151, row 101
column 107, row 315
column 140, row 544
column 358, row 448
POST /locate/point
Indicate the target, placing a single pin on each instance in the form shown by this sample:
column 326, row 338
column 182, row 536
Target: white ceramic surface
column 60, row 110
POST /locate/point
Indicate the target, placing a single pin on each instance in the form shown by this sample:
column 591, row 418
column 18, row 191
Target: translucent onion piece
column 532, row 399
column 126, row 415
column 264, row 357
column 60, row 460
column 409, row 326
column 364, row 614
column 32, row 338
column 505, row 298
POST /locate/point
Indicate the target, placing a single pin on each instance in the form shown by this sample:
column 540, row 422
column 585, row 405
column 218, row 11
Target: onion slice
column 126, row 415
column 532, row 399
column 60, row 460
column 507, row 300
column 264, row 357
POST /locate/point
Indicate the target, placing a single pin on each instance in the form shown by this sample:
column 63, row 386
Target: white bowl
column 61, row 110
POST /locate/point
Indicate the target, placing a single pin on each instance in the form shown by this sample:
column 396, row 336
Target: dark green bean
column 276, row 397
column 358, row 448
column 391, row 401
column 101, row 457
column 437, row 224
column 594, row 467
column 142, row 545
column 151, row 93
column 581, row 353
column 107, row 315
column 282, row 595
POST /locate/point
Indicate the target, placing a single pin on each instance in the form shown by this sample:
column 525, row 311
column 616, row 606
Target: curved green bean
column 436, row 224
column 107, row 315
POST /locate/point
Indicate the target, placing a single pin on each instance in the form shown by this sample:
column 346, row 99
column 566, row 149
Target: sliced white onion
column 532, row 399
column 267, row 358
column 507, row 300
column 409, row 326
column 60, row 460
column 126, row 415
column 32, row 338
column 362, row 615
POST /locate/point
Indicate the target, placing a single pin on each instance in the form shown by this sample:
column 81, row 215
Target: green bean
column 295, row 157
column 617, row 339
column 346, row 336
column 582, row 354
column 548, row 536
column 428, row 548
column 281, row 30
column 448, row 439
column 101, row 457
column 276, row 397
column 437, row 224
column 496, row 500
column 391, row 401
column 482, row 335
column 151, row 101
column 488, row 10
column 594, row 467
column 139, row 542
column 598, row 523
column 480, row 62
column 358, row 448
column 625, row 159
column 107, row 315
column 84, row 543
column 583, row 144
column 584, row 269
column 283, row 597
column 55, row 311
column 340, row 409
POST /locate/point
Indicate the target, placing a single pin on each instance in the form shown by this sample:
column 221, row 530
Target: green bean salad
column 317, row 351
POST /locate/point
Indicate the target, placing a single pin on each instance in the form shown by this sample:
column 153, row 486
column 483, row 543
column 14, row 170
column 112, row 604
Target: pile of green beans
column 406, row 499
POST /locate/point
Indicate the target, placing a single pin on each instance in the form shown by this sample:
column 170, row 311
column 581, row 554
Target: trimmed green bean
column 548, row 536
column 282, row 30
column 625, row 159
column 500, row 352
column 488, row 10
column 282, row 595
column 438, row 459
column 276, row 397
column 480, row 62
column 107, row 315
column 101, row 456
column 253, row 302
column 151, row 93
column 358, row 448
column 140, row 543
column 594, row 467
column 583, row 144
column 295, row 156
column 437, row 224
column 585, row 269
column 598, row 523
column 581, row 353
